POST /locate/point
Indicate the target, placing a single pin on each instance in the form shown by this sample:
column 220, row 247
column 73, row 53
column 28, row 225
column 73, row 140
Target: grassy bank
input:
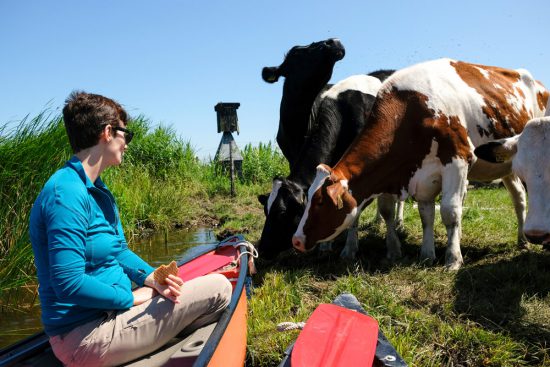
column 495, row 311
column 160, row 185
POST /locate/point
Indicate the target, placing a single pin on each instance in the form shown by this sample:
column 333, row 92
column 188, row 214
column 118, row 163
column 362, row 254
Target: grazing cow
column 419, row 141
column 529, row 153
column 341, row 114
column 307, row 69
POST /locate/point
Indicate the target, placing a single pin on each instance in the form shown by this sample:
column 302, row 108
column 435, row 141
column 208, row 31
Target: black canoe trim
column 24, row 349
column 38, row 342
column 212, row 343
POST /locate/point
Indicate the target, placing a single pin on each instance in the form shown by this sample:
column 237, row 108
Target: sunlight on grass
column 494, row 311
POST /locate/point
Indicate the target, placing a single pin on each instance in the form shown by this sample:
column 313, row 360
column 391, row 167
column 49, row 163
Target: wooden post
column 232, row 171
column 227, row 123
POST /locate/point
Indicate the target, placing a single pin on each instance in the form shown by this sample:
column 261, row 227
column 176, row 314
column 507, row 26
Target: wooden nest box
column 227, row 117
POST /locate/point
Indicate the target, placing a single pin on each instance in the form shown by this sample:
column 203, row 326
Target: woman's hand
column 170, row 290
column 143, row 294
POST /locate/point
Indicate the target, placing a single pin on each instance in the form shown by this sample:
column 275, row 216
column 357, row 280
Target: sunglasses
column 128, row 135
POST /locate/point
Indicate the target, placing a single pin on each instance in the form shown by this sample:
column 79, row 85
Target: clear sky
column 172, row 61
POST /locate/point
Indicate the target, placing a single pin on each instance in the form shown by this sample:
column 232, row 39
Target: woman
column 84, row 266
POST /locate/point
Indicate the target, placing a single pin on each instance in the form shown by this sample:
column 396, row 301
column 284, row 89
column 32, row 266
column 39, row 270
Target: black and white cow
column 307, row 69
column 339, row 118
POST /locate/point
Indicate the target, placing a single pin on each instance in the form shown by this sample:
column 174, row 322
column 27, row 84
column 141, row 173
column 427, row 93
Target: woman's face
column 116, row 146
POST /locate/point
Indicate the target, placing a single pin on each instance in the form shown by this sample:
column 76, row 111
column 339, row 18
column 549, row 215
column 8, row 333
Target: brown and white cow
column 419, row 141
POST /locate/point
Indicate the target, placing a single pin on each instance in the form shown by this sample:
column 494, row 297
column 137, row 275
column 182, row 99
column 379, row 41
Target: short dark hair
column 86, row 114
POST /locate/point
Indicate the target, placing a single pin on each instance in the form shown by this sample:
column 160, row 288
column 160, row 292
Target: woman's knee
column 222, row 287
column 214, row 289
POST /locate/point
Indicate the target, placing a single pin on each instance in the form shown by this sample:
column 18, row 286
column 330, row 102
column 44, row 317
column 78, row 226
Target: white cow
column 529, row 153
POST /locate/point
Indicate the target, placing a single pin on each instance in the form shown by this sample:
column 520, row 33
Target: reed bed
column 160, row 185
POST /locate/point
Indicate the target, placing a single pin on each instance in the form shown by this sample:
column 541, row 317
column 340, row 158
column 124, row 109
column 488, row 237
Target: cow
column 348, row 101
column 529, row 154
column 419, row 141
column 307, row 69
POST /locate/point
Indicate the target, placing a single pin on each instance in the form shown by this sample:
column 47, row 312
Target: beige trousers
column 122, row 336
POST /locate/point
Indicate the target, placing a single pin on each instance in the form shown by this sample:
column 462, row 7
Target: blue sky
column 172, row 61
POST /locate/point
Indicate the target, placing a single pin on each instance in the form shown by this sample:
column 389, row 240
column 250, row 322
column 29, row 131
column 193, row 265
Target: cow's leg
column 426, row 209
column 399, row 214
column 325, row 246
column 454, row 186
column 399, row 217
column 386, row 203
column 377, row 217
column 352, row 242
column 519, row 199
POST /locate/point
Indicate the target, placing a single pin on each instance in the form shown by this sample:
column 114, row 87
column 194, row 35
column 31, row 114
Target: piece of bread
column 162, row 272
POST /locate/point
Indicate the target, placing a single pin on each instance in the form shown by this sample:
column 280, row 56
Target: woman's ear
column 106, row 134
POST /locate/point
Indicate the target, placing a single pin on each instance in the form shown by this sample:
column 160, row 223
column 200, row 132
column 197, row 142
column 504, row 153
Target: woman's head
column 86, row 115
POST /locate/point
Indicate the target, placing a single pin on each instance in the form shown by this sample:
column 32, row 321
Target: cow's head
column 530, row 156
column 305, row 63
column 283, row 207
column 330, row 209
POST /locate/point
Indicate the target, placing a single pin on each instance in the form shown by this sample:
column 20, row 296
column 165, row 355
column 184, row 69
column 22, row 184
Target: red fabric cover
column 205, row 264
column 336, row 336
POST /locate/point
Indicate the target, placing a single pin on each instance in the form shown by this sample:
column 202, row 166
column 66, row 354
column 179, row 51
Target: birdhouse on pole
column 227, row 117
column 228, row 153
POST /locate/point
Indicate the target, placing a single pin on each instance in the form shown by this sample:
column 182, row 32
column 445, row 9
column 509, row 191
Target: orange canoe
column 215, row 345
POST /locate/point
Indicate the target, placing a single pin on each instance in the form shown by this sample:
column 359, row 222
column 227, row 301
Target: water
column 159, row 249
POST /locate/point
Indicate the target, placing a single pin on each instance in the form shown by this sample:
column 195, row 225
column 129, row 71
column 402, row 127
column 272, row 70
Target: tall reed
column 262, row 163
column 160, row 183
column 29, row 154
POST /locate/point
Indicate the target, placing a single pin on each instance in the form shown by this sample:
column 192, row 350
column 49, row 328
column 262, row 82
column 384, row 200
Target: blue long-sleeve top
column 83, row 262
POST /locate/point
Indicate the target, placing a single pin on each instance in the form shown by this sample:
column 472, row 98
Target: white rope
column 288, row 325
column 251, row 250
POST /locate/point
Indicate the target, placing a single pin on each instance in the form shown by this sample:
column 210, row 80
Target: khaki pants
column 124, row 335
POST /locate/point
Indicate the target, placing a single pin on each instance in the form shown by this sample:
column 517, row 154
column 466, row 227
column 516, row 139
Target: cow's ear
column 262, row 198
column 270, row 74
column 324, row 168
column 335, row 192
column 303, row 198
column 498, row 151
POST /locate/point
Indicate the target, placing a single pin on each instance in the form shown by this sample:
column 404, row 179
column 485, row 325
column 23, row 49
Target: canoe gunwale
column 210, row 347
column 21, row 350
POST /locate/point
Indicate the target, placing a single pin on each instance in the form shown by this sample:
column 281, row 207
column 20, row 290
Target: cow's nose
column 299, row 243
column 538, row 237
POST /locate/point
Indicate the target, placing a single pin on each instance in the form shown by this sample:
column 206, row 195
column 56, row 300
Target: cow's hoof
column 348, row 255
column 522, row 244
column 400, row 230
column 427, row 257
column 454, row 266
column 393, row 256
column 453, row 263
column 427, row 261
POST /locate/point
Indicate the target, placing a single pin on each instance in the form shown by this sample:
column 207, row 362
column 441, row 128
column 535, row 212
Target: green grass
column 494, row 311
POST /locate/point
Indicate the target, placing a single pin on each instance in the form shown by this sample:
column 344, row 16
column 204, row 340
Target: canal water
column 159, row 249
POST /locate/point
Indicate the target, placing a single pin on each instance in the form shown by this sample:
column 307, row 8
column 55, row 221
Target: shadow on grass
column 327, row 265
column 494, row 295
